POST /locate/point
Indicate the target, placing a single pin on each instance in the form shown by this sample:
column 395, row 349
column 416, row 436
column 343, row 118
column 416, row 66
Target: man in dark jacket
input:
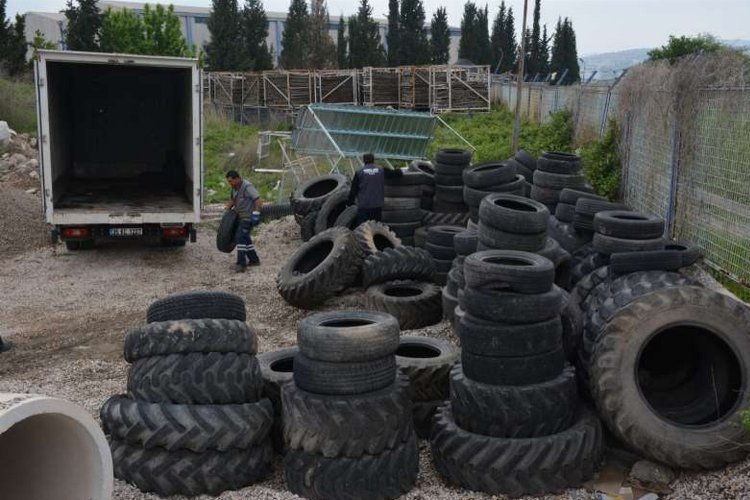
column 368, row 189
column 246, row 201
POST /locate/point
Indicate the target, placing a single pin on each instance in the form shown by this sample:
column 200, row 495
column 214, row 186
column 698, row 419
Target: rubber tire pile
column 193, row 420
column 347, row 416
column 320, row 204
column 512, row 358
column 439, row 244
column 402, row 211
column 488, row 177
column 449, row 182
column 554, row 172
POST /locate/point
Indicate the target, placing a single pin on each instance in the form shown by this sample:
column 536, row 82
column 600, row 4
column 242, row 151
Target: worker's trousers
column 245, row 249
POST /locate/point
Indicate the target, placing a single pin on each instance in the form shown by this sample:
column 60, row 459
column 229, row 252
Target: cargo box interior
column 120, row 138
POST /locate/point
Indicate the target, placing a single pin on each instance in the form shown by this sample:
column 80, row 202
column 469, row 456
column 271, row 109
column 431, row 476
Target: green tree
column 162, row 34
column 40, row 43
column 565, row 53
column 4, row 28
column 322, row 47
column 469, row 43
column 342, row 42
column 508, row 43
column 440, row 41
column 84, row 23
column 534, row 42
column 393, row 38
column 295, row 40
column 14, row 58
column 684, row 46
column 254, row 31
column 496, row 38
column 365, row 48
column 226, row 37
column 484, row 51
column 543, row 60
column 122, row 32
column 415, row 46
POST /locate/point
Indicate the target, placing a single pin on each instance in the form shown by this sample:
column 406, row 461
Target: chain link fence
column 693, row 171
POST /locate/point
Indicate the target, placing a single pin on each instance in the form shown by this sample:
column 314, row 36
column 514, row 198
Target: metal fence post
column 673, row 178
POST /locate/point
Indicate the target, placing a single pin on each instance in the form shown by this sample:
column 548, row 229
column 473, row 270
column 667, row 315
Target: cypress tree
column 440, row 41
column 226, row 37
column 254, row 31
column 496, row 39
column 342, row 54
column 322, row 48
column 4, row 29
column 556, row 61
column 484, row 51
column 509, row 45
column 415, row 47
column 544, row 52
column 14, row 58
column 468, row 45
column 365, row 48
column 393, row 38
column 295, row 40
column 534, row 43
column 571, row 53
column 84, row 23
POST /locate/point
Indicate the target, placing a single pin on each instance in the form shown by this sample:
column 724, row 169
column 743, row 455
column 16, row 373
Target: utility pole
column 519, row 82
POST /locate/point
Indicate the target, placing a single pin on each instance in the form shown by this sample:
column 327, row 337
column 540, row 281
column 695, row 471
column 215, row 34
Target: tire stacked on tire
column 449, row 166
column 465, row 244
column 308, row 199
column 556, row 171
column 347, row 415
column 525, row 165
column 194, row 400
column 277, row 368
column 428, row 187
column 561, row 225
column 402, row 211
column 427, row 362
column 439, row 243
column 484, row 178
column 513, row 398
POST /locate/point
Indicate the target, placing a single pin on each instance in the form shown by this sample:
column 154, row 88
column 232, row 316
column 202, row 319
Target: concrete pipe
column 51, row 449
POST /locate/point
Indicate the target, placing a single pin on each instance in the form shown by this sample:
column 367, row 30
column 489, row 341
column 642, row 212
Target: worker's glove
column 255, row 218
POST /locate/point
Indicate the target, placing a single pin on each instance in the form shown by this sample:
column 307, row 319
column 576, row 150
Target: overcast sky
column 600, row 25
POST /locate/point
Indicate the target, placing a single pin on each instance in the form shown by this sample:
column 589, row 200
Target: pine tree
column 84, row 23
column 393, row 38
column 440, row 41
column 322, row 48
column 533, row 47
column 496, row 39
column 40, row 43
column 295, row 40
column 571, row 53
column 254, row 31
column 544, row 52
column 509, row 45
column 484, row 51
column 4, row 29
column 222, row 52
column 365, row 48
column 15, row 47
column 415, row 47
column 467, row 46
column 342, row 53
column 565, row 53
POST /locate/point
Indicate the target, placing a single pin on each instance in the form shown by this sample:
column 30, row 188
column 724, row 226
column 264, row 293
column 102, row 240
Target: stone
column 16, row 159
column 30, row 165
column 34, row 175
column 4, row 133
column 32, row 191
column 32, row 142
column 650, row 476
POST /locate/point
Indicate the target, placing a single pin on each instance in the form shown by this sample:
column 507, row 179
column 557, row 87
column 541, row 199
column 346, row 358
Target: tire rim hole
column 507, row 261
column 346, row 323
column 630, row 217
column 417, row 351
column 402, row 291
column 382, row 242
column 313, row 257
column 487, row 167
column 689, row 376
column 285, row 365
column 515, row 205
column 320, row 188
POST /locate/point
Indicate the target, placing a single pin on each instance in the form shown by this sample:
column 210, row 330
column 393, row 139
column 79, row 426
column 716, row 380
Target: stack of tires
column 556, row 171
column 449, row 183
column 321, row 268
column 439, row 243
column 512, row 222
column 347, row 415
column 402, row 211
column 561, row 225
column 465, row 244
column 484, row 178
column 318, row 203
column 428, row 186
column 194, row 400
column 512, row 358
column 525, row 165
column 276, row 368
column 427, row 362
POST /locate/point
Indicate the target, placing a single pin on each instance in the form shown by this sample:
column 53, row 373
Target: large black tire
column 449, row 180
column 571, row 318
column 402, row 203
column 442, row 235
column 514, row 411
column 587, row 284
column 225, row 234
column 409, row 177
column 276, row 368
column 330, row 211
column 425, row 167
column 387, row 475
column 307, row 226
column 546, row 196
column 558, row 181
column 449, row 303
column 415, row 304
column 654, row 260
column 489, row 338
column 588, row 264
column 520, row 272
column 333, row 426
column 703, row 330
column 348, row 336
column 184, row 472
column 403, row 191
column 189, row 335
column 324, row 266
column 453, row 156
column 571, row 196
column 513, row 214
column 404, row 230
column 373, row 237
column 465, row 242
column 629, row 225
column 398, row 263
column 559, row 163
column 191, row 427
column 449, row 194
column 491, row 237
column 519, row 370
column 440, row 252
column 347, row 218
column 608, row 245
column 196, row 378
column 589, row 207
column 510, row 307
column 309, row 196
column 690, row 252
column 343, row 378
column 445, row 219
column 400, row 216
column 473, row 197
column 488, row 173
column 423, row 415
column 565, row 212
column 526, row 159
column 516, row 467
column 197, row 305
column 427, row 362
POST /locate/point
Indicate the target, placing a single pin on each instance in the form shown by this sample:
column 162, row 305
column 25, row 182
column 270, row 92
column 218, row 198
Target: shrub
column 602, row 164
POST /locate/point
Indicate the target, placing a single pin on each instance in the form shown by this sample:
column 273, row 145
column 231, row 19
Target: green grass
column 18, row 105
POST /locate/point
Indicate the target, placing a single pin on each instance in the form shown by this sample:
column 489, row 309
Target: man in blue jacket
column 368, row 189
column 246, row 201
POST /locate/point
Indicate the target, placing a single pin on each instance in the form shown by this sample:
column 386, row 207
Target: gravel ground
column 21, row 222
column 66, row 314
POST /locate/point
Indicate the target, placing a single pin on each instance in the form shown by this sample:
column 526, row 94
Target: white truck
column 120, row 146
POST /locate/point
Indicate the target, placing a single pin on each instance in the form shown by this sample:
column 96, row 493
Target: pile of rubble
column 19, row 166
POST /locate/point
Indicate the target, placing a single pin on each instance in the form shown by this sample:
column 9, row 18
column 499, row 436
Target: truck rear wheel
column 74, row 245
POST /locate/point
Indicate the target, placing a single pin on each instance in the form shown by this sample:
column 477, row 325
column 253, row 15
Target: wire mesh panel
column 713, row 191
column 336, row 86
column 591, row 108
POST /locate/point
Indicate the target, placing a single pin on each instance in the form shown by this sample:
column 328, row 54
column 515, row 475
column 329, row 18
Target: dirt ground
column 66, row 314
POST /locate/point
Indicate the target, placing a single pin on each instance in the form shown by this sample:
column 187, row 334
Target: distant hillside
column 610, row 64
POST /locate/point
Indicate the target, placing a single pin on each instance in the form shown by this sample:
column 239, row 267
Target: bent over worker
column 368, row 189
column 246, row 201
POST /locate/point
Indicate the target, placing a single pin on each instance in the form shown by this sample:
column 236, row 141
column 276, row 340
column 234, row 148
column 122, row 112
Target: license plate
column 125, row 231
